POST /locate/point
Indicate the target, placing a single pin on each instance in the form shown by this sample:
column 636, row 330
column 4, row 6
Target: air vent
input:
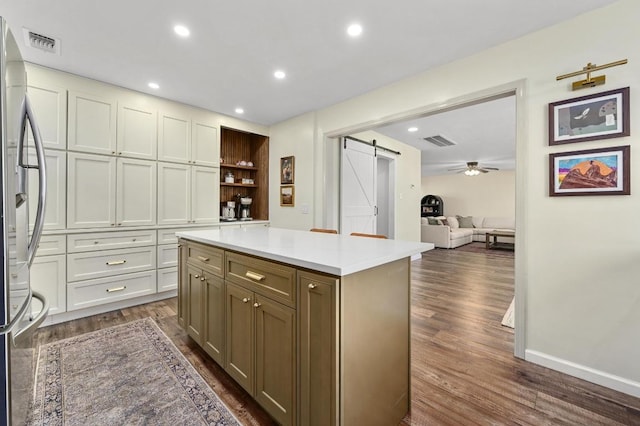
column 42, row 42
column 439, row 141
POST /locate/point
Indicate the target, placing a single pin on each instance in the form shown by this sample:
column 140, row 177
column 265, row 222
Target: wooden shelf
column 233, row 166
column 246, row 185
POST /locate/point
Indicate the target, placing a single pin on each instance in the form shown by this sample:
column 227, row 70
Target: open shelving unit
column 236, row 146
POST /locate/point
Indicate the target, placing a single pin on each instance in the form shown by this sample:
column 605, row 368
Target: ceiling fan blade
column 457, row 169
column 482, row 170
column 490, row 168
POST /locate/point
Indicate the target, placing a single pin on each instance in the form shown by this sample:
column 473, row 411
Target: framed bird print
column 600, row 116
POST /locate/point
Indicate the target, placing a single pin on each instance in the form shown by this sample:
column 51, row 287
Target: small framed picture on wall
column 287, row 196
column 287, row 170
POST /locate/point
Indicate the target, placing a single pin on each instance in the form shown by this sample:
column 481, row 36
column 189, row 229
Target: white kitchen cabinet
column 187, row 141
column 188, row 194
column 91, row 194
column 174, row 137
column 106, row 192
column 48, row 276
column 205, row 195
column 92, row 123
column 136, row 192
column 49, row 104
column 84, row 294
column 167, row 279
column 205, row 147
column 137, row 132
column 56, row 206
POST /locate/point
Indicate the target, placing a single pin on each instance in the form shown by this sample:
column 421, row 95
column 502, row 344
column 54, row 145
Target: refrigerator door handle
column 35, row 322
column 27, row 114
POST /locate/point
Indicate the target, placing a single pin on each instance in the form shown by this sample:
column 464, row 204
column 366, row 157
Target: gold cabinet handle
column 111, row 290
column 196, row 276
column 312, row 286
column 201, row 278
column 254, row 276
column 257, row 305
column 245, row 300
column 116, row 262
column 203, row 259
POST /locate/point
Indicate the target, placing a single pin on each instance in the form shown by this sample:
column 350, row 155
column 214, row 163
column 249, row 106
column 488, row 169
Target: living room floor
column 463, row 368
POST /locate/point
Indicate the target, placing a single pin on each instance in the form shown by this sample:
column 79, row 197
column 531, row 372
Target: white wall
column 579, row 271
column 490, row 194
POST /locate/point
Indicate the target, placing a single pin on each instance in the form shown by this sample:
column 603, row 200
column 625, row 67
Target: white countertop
column 333, row 254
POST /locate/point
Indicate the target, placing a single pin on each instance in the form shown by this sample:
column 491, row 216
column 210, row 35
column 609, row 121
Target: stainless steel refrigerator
column 22, row 309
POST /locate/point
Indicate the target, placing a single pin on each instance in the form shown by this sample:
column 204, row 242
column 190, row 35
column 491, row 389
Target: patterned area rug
column 128, row 374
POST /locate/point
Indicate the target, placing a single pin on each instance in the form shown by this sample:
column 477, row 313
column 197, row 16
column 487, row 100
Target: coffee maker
column 229, row 211
column 244, row 203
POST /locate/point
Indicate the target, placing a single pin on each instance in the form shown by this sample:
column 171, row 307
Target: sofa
column 454, row 231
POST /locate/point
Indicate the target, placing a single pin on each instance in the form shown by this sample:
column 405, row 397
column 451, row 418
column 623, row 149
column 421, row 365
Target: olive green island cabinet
column 314, row 326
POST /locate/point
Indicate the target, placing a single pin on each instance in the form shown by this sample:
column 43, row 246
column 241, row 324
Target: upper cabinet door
column 92, row 123
column 50, row 107
column 174, row 194
column 205, row 148
column 56, row 206
column 91, row 195
column 137, row 132
column 136, row 191
column 205, row 195
column 174, row 138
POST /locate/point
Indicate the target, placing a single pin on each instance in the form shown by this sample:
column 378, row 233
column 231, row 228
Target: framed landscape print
column 602, row 171
column 600, row 116
column 287, row 196
column 286, row 170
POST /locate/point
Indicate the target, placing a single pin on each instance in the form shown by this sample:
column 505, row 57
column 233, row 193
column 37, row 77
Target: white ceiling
column 235, row 46
column 484, row 132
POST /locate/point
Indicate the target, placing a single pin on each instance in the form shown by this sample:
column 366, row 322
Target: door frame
column 330, row 181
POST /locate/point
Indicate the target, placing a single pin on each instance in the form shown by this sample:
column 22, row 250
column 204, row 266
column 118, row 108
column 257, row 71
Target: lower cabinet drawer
column 267, row 278
column 167, row 279
column 167, row 255
column 82, row 266
column 52, row 244
column 88, row 293
column 110, row 240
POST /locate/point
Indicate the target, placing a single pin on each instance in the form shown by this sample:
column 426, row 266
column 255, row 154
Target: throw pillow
column 444, row 222
column 453, row 222
column 433, row 221
column 465, row 221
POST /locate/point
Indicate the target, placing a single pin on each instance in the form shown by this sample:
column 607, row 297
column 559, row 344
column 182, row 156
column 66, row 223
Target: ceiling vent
column 41, row 42
column 439, row 141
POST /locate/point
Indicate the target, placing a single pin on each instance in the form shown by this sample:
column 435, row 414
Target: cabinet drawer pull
column 257, row 305
column 116, row 262
column 246, row 300
column 312, row 286
column 201, row 278
column 111, row 290
column 254, row 276
column 203, row 259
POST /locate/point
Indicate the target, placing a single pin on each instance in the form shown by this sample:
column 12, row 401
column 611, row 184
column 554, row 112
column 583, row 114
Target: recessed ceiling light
column 412, row 129
column 279, row 74
column 181, row 30
column 239, row 111
column 354, row 30
column 154, row 85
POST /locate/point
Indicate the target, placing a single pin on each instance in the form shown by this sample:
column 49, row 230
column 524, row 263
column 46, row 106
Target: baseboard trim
column 598, row 377
column 100, row 309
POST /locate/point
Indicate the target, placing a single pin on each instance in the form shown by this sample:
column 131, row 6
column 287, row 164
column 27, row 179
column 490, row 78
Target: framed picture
column 287, row 196
column 286, row 170
column 600, row 116
column 602, row 171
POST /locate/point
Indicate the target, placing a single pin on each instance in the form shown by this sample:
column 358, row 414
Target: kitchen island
column 314, row 326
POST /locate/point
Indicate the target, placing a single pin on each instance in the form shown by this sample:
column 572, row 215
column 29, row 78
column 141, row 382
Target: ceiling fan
column 473, row 169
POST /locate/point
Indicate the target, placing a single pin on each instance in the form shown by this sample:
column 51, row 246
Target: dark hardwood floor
column 463, row 368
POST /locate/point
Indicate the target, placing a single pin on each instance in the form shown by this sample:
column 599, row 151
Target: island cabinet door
column 214, row 318
column 275, row 359
column 195, row 297
column 318, row 349
column 239, row 362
